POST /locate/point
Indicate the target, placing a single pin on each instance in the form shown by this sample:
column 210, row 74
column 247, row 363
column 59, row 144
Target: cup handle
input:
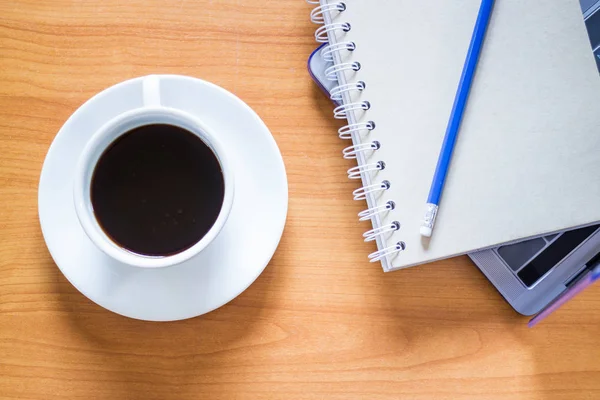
column 151, row 91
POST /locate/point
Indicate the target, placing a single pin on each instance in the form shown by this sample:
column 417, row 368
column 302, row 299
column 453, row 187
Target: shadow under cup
column 153, row 187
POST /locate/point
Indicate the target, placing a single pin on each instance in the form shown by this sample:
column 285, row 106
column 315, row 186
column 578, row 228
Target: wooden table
column 320, row 322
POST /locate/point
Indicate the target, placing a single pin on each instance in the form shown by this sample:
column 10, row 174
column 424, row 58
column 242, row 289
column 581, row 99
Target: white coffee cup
column 151, row 113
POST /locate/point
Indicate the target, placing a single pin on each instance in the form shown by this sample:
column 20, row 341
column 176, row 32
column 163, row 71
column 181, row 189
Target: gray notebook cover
column 527, row 160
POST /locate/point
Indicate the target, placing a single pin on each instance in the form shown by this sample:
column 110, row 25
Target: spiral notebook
column 527, row 159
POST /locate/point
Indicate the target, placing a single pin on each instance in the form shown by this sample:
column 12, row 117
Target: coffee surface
column 157, row 190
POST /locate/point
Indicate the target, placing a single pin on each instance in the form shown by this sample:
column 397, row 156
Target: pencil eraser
column 425, row 231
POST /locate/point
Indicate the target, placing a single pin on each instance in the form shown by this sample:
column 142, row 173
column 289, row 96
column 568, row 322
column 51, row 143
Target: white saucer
column 220, row 272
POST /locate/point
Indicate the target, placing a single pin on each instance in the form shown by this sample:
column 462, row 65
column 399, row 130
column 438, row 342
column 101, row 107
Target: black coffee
column 157, row 190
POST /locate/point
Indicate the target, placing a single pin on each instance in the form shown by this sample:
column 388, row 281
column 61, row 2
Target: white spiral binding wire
column 316, row 15
column 356, row 172
column 331, row 72
column 361, row 193
column 387, row 252
column 381, row 231
column 337, row 92
column 351, row 152
column 346, row 131
column 369, row 213
column 341, row 112
column 357, row 129
column 327, row 51
column 322, row 32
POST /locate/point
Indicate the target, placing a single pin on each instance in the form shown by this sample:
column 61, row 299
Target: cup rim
column 101, row 140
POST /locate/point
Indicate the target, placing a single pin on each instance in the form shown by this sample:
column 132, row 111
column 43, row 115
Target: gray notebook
column 527, row 160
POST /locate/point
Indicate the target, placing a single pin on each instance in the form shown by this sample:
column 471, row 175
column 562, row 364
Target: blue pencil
column 460, row 101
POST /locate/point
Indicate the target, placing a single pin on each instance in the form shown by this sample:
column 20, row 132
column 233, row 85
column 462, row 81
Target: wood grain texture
column 320, row 322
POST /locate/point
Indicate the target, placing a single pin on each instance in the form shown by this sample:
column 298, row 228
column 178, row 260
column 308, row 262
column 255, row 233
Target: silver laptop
column 532, row 273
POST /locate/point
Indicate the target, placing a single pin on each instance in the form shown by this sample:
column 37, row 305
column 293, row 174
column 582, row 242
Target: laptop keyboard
column 516, row 255
column 553, row 254
column 532, row 259
column 592, row 24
